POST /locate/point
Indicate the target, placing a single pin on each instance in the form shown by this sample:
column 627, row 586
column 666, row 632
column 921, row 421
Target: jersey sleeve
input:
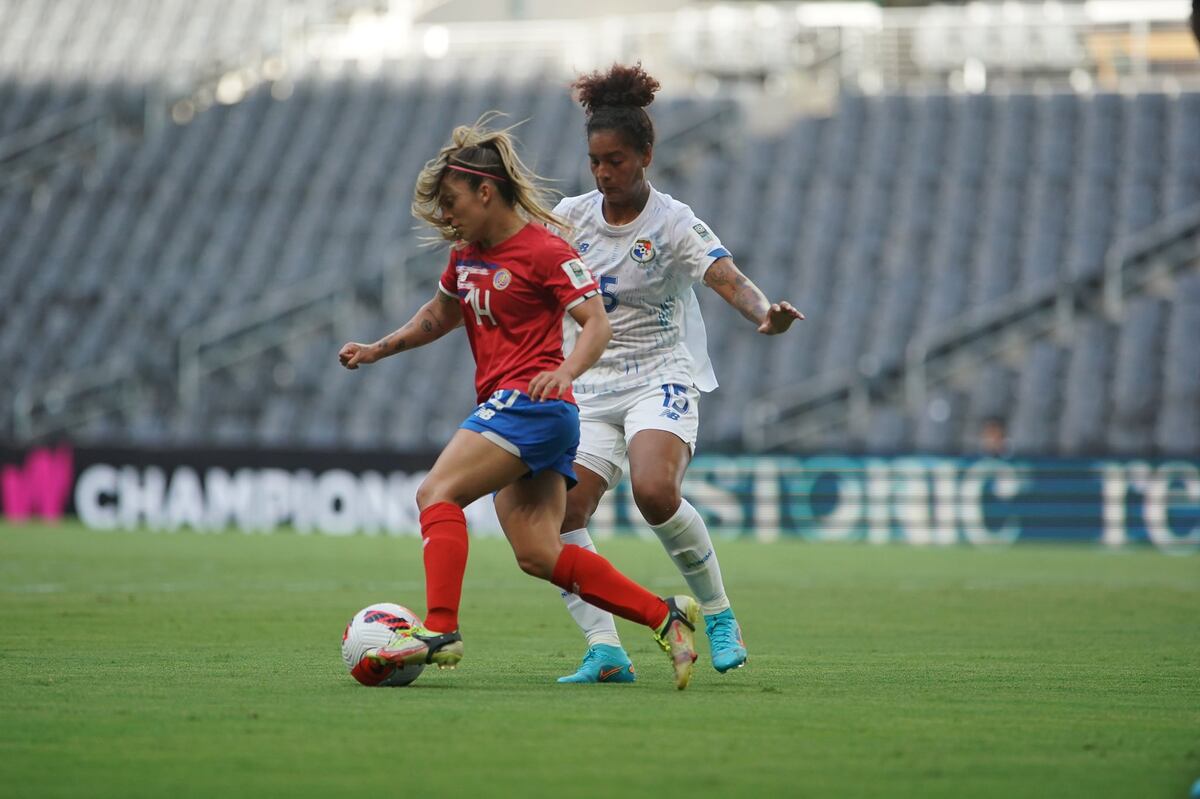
column 448, row 283
column 696, row 245
column 560, row 210
column 566, row 276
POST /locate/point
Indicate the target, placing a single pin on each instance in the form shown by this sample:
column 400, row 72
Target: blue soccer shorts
column 543, row 434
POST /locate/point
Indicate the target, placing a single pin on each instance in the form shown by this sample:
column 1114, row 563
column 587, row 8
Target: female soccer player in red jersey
column 510, row 282
column 640, row 402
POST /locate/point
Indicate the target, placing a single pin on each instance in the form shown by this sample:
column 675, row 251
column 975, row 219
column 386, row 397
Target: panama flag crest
column 642, row 251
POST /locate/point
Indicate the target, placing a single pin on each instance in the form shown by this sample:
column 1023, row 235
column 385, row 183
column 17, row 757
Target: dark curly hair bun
column 620, row 86
column 616, row 100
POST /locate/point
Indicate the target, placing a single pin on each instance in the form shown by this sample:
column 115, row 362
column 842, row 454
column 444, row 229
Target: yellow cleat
column 419, row 645
column 677, row 636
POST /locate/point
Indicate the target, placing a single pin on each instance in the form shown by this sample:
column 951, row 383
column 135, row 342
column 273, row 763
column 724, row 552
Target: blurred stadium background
column 990, row 213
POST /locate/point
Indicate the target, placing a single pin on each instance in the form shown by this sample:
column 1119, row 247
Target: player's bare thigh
column 530, row 513
column 469, row 467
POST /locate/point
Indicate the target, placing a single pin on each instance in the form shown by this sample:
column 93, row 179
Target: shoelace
column 722, row 633
column 592, row 655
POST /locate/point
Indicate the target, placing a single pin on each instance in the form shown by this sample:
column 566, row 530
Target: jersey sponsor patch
column 642, row 251
column 703, row 231
column 577, row 273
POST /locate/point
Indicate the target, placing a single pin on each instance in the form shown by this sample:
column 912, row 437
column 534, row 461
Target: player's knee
column 426, row 495
column 579, row 513
column 657, row 499
column 537, row 562
column 432, row 491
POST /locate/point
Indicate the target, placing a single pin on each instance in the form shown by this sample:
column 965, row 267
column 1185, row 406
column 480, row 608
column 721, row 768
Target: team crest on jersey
column 583, row 246
column 642, row 251
column 501, row 279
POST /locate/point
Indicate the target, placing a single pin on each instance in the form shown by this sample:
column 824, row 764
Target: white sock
column 686, row 539
column 597, row 625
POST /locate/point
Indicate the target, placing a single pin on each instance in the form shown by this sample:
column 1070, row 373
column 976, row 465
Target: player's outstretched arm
column 435, row 319
column 589, row 346
column 739, row 291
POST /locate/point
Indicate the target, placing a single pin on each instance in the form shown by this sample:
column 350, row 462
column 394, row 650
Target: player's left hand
column 779, row 318
column 549, row 385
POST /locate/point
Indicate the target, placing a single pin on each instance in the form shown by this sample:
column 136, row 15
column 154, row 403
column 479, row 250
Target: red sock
column 444, row 538
column 583, row 572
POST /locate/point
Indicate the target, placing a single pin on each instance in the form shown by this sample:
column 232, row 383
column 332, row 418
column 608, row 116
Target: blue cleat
column 603, row 663
column 725, row 641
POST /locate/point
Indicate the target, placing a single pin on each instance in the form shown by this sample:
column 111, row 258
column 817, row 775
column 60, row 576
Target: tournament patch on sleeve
column 703, row 231
column 577, row 273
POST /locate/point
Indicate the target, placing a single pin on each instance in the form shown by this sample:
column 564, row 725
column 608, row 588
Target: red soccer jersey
column 513, row 298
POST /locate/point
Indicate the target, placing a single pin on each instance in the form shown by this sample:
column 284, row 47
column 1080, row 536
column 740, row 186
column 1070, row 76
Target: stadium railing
column 65, row 402
column 326, row 299
column 232, row 337
column 51, row 140
column 792, row 417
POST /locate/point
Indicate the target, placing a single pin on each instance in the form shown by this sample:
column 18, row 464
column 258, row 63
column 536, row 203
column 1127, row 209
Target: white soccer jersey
column 645, row 270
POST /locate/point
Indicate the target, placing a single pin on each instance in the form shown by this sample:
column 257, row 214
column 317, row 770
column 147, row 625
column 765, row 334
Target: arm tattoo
column 738, row 290
column 747, row 297
column 719, row 276
column 427, row 325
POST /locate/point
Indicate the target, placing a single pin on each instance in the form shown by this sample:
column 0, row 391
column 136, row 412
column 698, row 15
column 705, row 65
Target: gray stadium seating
column 1137, row 377
column 1085, row 395
column 1178, row 424
column 1032, row 428
column 883, row 222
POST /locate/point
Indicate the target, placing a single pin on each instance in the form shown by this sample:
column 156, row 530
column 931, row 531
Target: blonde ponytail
column 477, row 153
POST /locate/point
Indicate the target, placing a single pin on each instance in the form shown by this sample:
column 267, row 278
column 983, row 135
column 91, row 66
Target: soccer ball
column 370, row 628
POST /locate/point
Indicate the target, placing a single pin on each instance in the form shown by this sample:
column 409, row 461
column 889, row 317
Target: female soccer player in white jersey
column 509, row 282
column 640, row 401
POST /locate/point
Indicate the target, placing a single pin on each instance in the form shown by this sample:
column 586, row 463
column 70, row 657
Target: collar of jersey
column 617, row 231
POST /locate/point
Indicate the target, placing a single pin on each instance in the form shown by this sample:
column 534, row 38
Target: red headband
column 457, row 168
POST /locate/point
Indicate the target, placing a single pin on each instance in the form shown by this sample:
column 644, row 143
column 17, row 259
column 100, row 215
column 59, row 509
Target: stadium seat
column 939, row 427
column 1036, row 410
column 991, row 397
column 887, row 431
column 1083, row 429
column 1178, row 425
column 1137, row 379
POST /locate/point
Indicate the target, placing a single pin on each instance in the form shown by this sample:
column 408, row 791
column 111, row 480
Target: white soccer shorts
column 608, row 422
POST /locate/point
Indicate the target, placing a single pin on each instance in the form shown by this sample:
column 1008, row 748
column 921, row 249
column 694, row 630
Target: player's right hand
column 549, row 385
column 352, row 354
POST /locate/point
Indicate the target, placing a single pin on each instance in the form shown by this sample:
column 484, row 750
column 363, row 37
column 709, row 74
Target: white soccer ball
column 371, row 628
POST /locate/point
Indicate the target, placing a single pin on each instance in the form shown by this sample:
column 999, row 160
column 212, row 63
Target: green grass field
column 140, row 664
